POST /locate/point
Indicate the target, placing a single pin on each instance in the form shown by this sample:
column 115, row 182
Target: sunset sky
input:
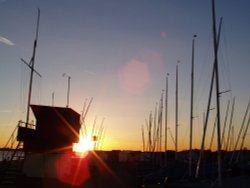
column 119, row 53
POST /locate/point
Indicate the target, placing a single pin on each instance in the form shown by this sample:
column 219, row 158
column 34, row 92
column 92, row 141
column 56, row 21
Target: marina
column 56, row 147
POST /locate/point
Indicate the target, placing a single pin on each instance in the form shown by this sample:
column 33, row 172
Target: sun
column 84, row 145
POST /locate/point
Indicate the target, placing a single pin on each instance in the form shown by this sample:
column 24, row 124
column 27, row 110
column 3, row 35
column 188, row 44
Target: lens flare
column 72, row 170
column 134, row 77
column 84, row 145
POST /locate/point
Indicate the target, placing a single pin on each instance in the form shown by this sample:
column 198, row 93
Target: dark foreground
column 133, row 173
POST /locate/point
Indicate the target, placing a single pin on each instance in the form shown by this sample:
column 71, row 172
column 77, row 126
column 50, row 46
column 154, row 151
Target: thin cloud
column 6, row 41
column 90, row 72
column 5, row 111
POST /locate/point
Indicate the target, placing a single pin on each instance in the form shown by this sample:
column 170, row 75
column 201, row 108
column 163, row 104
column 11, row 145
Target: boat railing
column 12, row 145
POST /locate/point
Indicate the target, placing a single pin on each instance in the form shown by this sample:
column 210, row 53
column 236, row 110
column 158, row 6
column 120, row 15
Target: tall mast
column 225, row 124
column 217, row 93
column 150, row 132
column 230, row 126
column 176, row 113
column 31, row 66
column 208, row 106
column 143, row 139
column 243, row 138
column 160, row 121
column 166, row 119
column 191, row 109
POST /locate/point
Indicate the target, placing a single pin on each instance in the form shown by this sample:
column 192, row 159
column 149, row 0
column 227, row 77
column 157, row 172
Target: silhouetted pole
column 230, row 125
column 240, row 131
column 176, row 113
column 191, row 109
column 53, row 98
column 143, row 139
column 215, row 42
column 31, row 66
column 68, row 90
column 208, row 106
column 166, row 119
column 160, row 121
column 243, row 138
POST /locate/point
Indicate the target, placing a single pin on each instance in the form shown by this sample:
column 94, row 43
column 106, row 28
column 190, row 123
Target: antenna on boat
column 31, row 66
column 68, row 90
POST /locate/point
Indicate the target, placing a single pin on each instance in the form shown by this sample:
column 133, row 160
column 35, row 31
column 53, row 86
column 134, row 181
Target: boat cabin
column 56, row 129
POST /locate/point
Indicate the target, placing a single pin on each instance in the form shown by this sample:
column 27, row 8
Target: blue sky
column 119, row 52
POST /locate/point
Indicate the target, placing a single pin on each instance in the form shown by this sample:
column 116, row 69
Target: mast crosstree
column 31, row 66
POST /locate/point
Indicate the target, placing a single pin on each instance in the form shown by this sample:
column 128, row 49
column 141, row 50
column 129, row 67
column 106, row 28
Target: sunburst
column 84, row 145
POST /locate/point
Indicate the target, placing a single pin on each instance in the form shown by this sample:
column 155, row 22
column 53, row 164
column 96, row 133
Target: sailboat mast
column 230, row 125
column 240, row 131
column 166, row 119
column 143, row 139
column 243, row 138
column 176, row 113
column 191, row 109
column 217, row 93
column 160, row 121
column 31, row 65
column 208, row 108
